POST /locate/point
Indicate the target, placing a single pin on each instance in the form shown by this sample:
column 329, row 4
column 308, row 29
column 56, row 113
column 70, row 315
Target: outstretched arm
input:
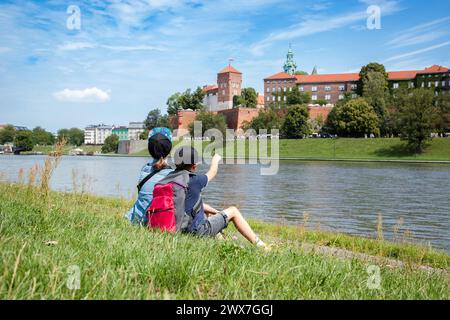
column 214, row 167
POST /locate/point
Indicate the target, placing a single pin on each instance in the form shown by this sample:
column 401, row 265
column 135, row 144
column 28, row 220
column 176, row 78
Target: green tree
column 24, row 140
column 355, row 118
column 210, row 120
column 192, row 100
column 76, row 136
column 375, row 90
column 301, row 73
column 442, row 121
column 144, row 135
column 295, row 96
column 7, row 134
column 321, row 102
column 63, row 134
column 173, row 104
column 295, row 125
column 267, row 119
column 417, row 115
column 42, row 137
column 247, row 99
column 366, row 70
column 156, row 119
column 111, row 144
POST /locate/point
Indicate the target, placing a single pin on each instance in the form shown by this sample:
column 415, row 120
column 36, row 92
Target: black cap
column 159, row 146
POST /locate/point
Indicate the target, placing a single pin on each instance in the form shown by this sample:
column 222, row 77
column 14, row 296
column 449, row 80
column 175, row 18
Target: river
column 413, row 199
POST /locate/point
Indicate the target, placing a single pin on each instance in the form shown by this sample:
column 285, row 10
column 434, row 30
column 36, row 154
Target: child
column 186, row 158
column 159, row 147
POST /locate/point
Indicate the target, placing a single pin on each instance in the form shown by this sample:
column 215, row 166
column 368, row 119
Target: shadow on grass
column 395, row 151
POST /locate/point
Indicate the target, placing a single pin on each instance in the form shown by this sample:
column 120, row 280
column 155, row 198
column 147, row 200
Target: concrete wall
column 131, row 146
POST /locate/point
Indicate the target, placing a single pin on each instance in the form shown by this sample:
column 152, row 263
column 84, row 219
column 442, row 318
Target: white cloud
column 413, row 53
column 318, row 24
column 422, row 33
column 86, row 95
column 69, row 46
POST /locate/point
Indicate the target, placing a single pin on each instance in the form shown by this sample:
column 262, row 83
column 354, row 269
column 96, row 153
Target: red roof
column 402, row 75
column 280, row 76
column 435, row 69
column 211, row 87
column 229, row 69
column 339, row 77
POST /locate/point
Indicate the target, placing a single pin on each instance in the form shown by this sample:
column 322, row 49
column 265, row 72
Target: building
column 135, row 129
column 333, row 87
column 220, row 96
column 96, row 134
column 121, row 132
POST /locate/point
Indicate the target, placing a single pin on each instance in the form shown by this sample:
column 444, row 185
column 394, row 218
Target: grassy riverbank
column 43, row 234
column 45, row 150
column 356, row 149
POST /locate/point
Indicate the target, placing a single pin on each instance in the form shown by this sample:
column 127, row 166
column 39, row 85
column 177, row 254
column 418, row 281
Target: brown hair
column 159, row 165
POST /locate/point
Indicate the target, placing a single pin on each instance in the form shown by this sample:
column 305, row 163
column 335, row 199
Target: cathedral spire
column 290, row 67
column 314, row 70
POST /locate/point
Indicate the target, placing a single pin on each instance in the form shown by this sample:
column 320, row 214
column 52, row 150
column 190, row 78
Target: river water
column 413, row 199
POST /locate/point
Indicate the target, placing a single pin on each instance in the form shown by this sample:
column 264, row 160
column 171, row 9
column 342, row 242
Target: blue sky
column 129, row 56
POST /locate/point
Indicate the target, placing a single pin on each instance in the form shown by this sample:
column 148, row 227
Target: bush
column 111, row 144
column 295, row 125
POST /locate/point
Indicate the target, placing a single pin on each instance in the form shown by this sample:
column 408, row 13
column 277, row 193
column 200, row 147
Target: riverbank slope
column 45, row 236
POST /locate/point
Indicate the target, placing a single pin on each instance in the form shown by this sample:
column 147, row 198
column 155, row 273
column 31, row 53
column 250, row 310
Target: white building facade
column 96, row 134
column 135, row 129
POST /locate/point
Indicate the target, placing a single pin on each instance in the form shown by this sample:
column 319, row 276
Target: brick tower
column 229, row 81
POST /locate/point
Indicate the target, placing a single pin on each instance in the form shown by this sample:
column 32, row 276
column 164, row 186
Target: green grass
column 66, row 149
column 120, row 261
column 356, row 149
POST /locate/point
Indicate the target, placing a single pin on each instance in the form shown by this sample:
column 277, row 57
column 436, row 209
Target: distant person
column 159, row 147
column 186, row 159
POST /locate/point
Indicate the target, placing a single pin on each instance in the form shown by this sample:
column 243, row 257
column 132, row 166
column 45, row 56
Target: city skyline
column 128, row 57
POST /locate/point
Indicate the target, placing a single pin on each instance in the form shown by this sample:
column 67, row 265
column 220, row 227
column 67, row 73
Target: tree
column 76, row 136
column 321, row 102
column 7, row 134
column 247, row 99
column 266, row 120
column 63, row 134
column 301, row 73
column 43, row 137
column 111, row 144
column 156, row 119
column 416, row 117
column 295, row 96
column 442, row 122
column 355, row 118
column 375, row 90
column 192, row 100
column 366, row 70
column 24, row 140
column 210, row 120
column 295, row 125
column 144, row 135
column 173, row 104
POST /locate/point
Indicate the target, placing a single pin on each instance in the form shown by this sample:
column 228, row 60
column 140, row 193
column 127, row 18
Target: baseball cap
column 159, row 142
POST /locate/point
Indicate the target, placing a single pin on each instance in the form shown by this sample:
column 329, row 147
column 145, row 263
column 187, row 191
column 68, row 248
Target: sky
column 76, row 63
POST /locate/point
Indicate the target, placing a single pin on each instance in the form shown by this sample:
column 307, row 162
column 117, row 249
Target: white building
column 96, row 134
column 135, row 129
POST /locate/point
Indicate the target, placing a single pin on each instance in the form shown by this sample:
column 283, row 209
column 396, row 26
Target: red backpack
column 167, row 209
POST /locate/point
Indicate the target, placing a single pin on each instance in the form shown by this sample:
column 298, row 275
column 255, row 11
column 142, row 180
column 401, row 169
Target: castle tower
column 290, row 67
column 229, row 82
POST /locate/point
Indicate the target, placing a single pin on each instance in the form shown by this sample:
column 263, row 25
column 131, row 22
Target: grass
column 356, row 149
column 44, row 234
column 66, row 149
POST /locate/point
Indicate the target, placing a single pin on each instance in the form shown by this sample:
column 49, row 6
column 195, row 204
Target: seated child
column 186, row 158
column 159, row 147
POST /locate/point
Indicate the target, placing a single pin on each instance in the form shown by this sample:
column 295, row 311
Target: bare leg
column 241, row 224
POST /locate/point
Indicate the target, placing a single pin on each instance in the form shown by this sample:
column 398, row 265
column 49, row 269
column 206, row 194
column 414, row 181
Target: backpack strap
column 148, row 177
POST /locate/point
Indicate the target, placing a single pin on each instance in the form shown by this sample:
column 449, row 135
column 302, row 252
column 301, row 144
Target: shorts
column 213, row 225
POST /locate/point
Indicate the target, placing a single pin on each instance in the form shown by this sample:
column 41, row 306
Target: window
column 341, row 97
column 273, row 89
column 314, row 89
column 429, row 84
column 328, row 97
column 284, row 89
column 396, row 85
column 436, row 84
column 268, row 89
column 411, row 85
column 327, row 88
column 341, row 88
column 285, row 98
column 302, row 89
column 314, row 98
column 268, row 98
column 423, row 84
column 443, row 83
column 223, row 92
column 354, row 86
column 273, row 98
